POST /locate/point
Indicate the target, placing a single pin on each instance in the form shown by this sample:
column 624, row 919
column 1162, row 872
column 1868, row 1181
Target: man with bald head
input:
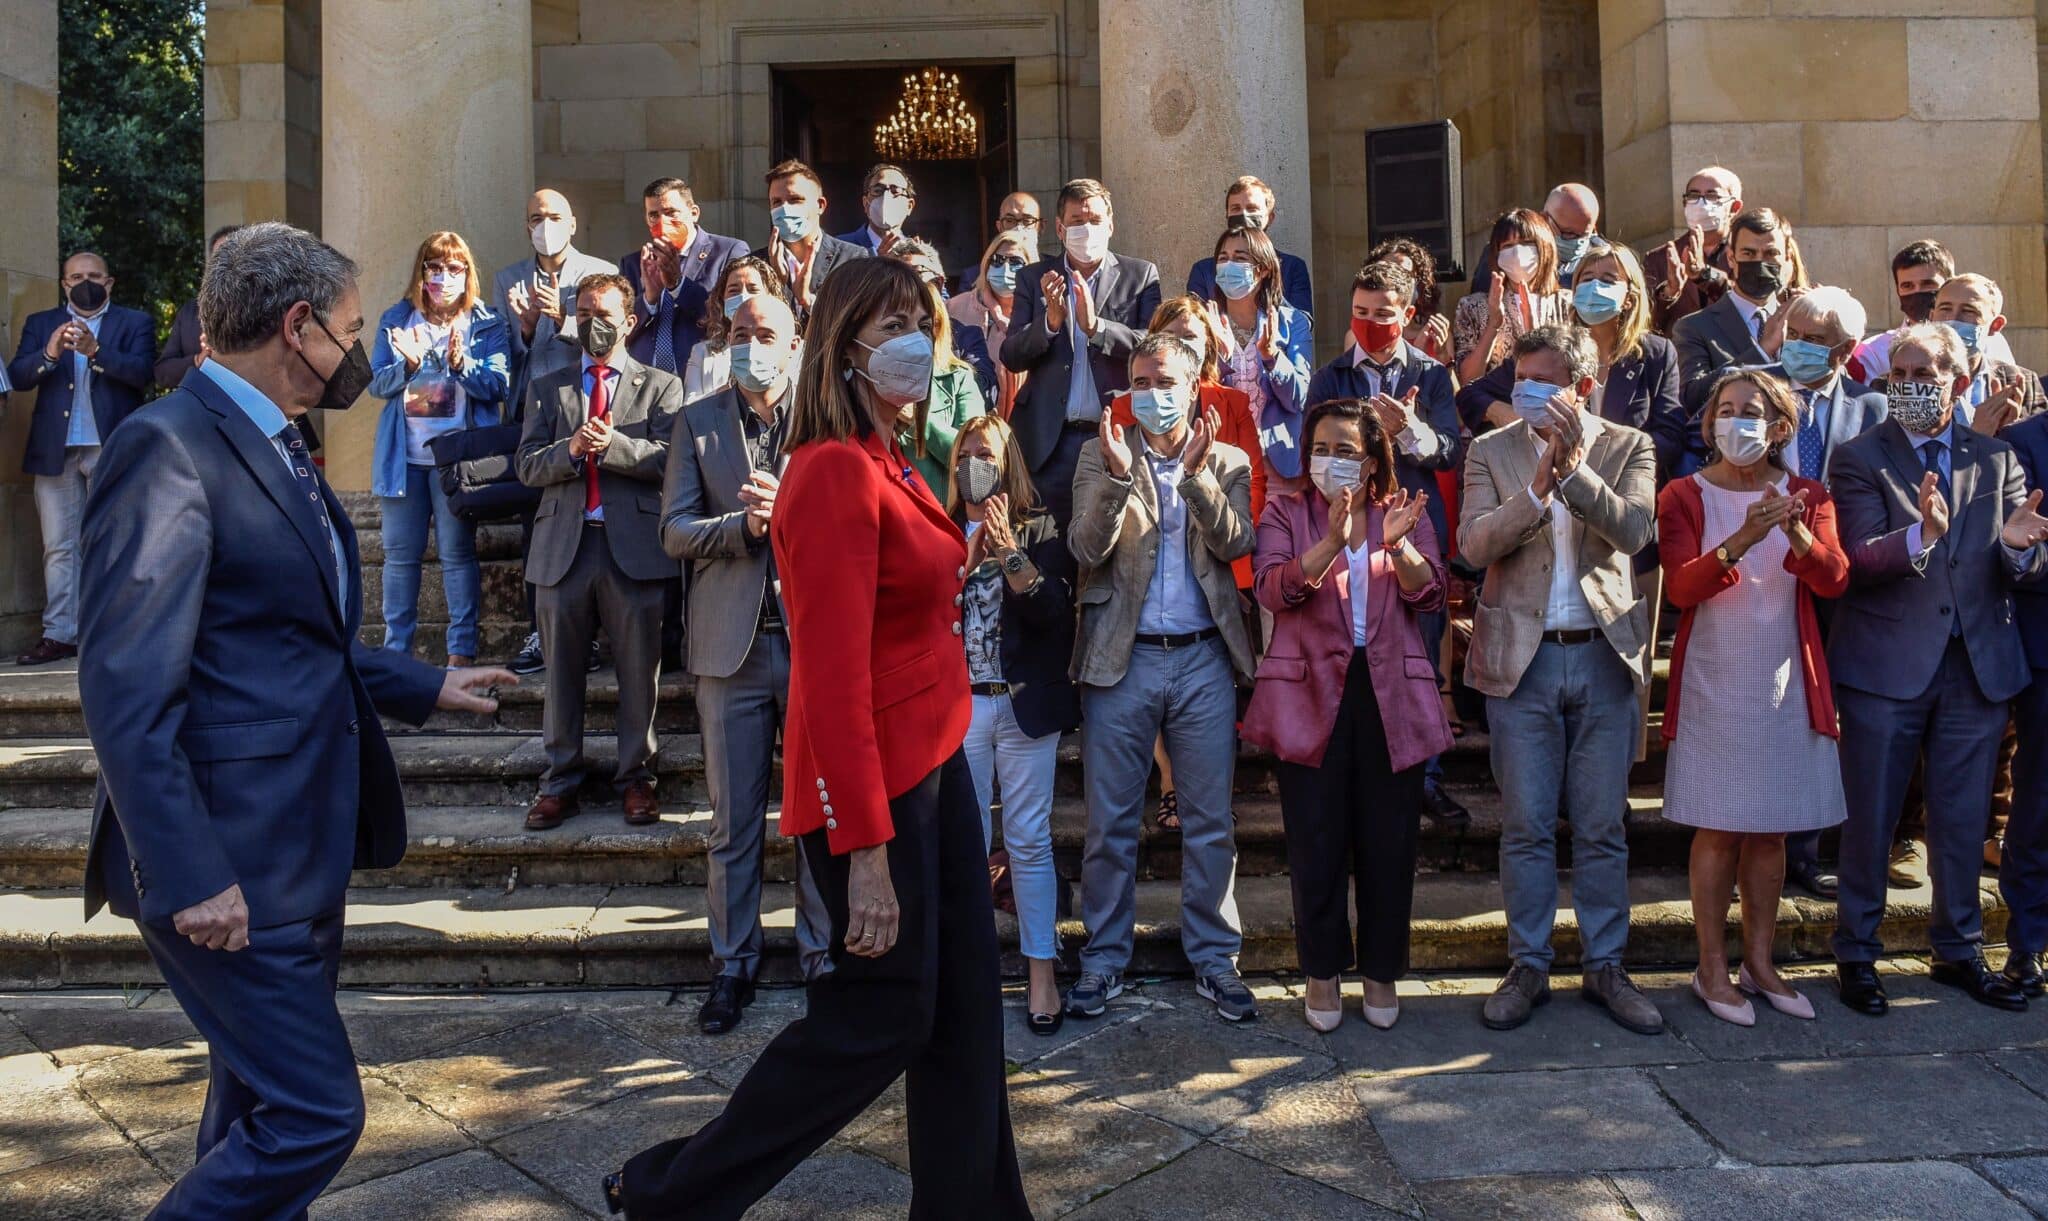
column 1574, row 211
column 539, row 295
column 90, row 362
column 1018, row 213
column 1691, row 272
column 725, row 463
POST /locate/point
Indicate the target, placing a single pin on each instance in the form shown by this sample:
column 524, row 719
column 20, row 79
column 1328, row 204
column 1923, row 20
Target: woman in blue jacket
column 440, row 361
column 1267, row 355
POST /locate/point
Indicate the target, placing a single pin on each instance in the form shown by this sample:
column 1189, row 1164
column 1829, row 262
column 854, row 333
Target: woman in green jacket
column 926, row 430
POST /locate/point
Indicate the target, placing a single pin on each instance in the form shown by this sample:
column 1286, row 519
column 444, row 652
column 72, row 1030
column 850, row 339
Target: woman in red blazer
column 1746, row 548
column 1346, row 698
column 878, row 794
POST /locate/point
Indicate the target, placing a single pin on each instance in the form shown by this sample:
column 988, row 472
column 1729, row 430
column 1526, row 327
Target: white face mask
column 446, row 285
column 1742, row 441
column 1086, row 242
column 1518, row 262
column 1332, row 475
column 888, row 212
column 550, row 237
column 901, row 369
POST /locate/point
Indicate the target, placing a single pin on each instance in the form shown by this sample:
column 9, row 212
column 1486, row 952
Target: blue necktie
column 1932, row 452
column 309, row 483
column 664, row 337
column 1813, row 444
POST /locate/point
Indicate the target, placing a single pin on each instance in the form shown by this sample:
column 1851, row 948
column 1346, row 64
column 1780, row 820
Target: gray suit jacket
column 704, row 524
column 1503, row 531
column 629, row 472
column 1708, row 342
column 576, row 267
column 1893, row 625
column 1115, row 536
column 832, row 255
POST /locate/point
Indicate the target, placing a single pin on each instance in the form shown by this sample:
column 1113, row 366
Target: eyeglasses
column 1008, row 260
column 1012, row 220
column 1712, row 197
column 882, row 188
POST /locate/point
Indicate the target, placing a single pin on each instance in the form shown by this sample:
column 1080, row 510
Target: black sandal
column 1169, row 811
column 1045, row 1025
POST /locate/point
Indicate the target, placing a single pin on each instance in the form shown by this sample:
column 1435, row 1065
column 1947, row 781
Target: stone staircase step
column 453, row 845
column 587, row 936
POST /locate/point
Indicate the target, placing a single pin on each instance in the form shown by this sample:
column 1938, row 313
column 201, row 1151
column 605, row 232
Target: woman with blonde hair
column 441, row 360
column 1747, row 547
column 927, row 428
column 987, row 304
column 1017, row 616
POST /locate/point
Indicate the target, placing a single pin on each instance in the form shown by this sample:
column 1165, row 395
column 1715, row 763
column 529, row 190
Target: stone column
column 28, row 282
column 262, row 112
column 1867, row 122
column 426, row 124
column 1195, row 93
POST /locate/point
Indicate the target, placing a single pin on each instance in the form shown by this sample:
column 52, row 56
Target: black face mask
column 598, row 337
column 1759, row 279
column 88, row 295
column 350, row 378
column 1917, row 306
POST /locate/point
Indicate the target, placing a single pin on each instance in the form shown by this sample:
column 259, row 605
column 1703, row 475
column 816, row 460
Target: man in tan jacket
column 1554, row 507
column 1158, row 518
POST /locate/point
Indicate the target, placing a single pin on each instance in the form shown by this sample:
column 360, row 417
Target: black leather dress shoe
column 1985, row 986
column 1814, row 880
column 615, row 1192
column 1442, row 808
column 1861, row 989
column 2023, row 971
column 730, row 996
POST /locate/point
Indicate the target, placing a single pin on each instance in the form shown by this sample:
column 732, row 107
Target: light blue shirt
column 1173, row 604
column 85, row 430
column 611, row 389
column 268, row 418
column 1084, row 402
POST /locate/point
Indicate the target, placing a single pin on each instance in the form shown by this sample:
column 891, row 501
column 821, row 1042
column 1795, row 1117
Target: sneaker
column 1610, row 988
column 1516, row 998
column 1092, row 993
column 1233, row 1001
column 528, row 660
column 596, row 662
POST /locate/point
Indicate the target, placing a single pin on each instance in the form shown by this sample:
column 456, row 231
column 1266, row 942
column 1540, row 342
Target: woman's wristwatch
column 1014, row 561
column 1728, row 558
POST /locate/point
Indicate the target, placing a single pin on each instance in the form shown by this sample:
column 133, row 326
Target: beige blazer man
column 1502, row 529
column 1115, row 536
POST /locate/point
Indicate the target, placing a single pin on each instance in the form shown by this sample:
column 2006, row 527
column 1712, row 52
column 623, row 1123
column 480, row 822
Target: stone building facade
column 375, row 121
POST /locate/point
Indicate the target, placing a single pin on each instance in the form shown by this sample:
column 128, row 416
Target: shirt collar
column 1399, row 360
column 589, row 364
column 92, row 319
column 255, row 404
column 1946, row 436
column 1747, row 308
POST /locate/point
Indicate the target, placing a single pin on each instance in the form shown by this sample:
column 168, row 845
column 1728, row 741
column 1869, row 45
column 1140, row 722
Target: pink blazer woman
column 1301, row 679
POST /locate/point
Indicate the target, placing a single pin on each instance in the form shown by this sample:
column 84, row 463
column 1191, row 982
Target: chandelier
column 931, row 123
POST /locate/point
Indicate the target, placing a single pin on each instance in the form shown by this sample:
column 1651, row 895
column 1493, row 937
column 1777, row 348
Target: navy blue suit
column 1294, row 282
column 2023, row 878
column 122, row 371
column 1436, row 408
column 234, row 716
column 703, row 261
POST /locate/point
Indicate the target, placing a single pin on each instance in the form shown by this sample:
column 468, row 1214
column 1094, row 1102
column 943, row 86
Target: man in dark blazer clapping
column 2023, row 873
column 1072, row 328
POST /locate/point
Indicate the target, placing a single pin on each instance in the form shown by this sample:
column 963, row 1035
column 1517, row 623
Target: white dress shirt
column 1413, row 440
column 1566, row 609
column 1360, row 560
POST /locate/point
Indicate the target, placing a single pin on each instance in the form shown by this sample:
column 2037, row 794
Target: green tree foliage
column 130, row 132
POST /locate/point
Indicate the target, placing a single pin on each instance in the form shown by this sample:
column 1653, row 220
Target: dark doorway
column 827, row 117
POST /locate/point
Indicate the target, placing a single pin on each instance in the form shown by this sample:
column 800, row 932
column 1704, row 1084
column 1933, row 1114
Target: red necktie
column 600, row 409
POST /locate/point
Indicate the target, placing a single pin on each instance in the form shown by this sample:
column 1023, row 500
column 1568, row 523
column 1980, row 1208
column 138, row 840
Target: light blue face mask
column 791, row 223
column 1805, row 362
column 1158, row 411
column 1532, row 401
column 732, row 304
column 1597, row 301
column 1568, row 251
column 1002, row 278
column 756, row 367
column 1970, row 333
column 1237, row 280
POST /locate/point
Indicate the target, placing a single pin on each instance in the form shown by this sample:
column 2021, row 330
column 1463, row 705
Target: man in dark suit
column 673, row 275
column 1924, row 652
column 186, row 345
column 724, row 465
column 887, row 199
column 798, row 245
column 2023, row 871
column 1417, row 405
column 90, row 362
column 1743, row 327
column 595, row 442
column 1088, row 304
column 1250, row 204
column 243, row 770
column 1687, row 275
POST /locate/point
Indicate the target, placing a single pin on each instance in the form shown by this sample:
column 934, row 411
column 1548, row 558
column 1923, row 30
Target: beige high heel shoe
column 1795, row 1005
column 1323, row 1020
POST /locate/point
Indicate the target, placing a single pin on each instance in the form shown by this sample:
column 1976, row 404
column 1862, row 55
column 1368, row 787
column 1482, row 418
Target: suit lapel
column 1904, row 459
column 629, row 392
column 732, row 438
column 1735, row 332
column 263, row 461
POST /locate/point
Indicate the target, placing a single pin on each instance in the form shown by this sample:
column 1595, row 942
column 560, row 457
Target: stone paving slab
column 44, row 1118
column 1319, row 1129
column 2030, row 1068
column 1804, row 1111
column 1443, row 1034
column 2026, row 1178
column 572, row 1153
column 1924, row 1015
column 1211, row 1182
column 1583, row 1120
column 1525, row 1198
column 470, row 1186
column 1819, row 1193
column 116, row 1184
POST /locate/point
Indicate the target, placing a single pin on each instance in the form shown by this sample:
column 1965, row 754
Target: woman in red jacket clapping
column 879, row 796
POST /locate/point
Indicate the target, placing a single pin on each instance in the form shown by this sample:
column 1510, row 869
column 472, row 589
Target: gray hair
column 1572, row 343
column 1168, row 348
column 259, row 273
column 1832, row 309
column 1938, row 340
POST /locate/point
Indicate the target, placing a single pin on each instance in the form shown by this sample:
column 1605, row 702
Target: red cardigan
column 869, row 566
column 1692, row 575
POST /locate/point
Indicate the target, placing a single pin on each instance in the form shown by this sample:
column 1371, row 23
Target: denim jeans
column 998, row 749
column 405, row 540
column 60, row 506
column 1568, row 731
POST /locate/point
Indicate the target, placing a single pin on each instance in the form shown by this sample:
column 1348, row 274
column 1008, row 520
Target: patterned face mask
column 1919, row 407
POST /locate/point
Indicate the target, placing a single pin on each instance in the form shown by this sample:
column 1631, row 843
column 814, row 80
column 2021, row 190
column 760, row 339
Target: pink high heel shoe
column 1743, row 1014
column 1795, row 1005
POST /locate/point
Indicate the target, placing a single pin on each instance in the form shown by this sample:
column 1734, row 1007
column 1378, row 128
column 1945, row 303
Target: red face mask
column 1373, row 335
